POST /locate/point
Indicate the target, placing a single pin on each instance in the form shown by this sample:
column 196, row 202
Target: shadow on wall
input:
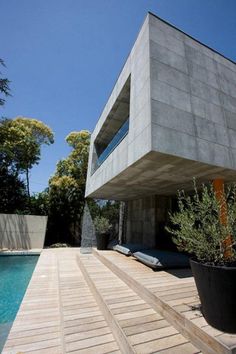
column 22, row 231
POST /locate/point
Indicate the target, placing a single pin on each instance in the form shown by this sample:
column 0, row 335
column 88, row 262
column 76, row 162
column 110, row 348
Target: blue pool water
column 15, row 274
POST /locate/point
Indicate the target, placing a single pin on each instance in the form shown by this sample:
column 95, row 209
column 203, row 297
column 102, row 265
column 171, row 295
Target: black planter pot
column 216, row 287
column 102, row 240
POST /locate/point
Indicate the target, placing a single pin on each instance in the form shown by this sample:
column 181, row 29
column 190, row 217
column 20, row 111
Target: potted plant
column 205, row 227
column 102, row 228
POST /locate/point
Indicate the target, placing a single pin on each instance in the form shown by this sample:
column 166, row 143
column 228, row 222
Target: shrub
column 198, row 229
column 101, row 224
column 59, row 245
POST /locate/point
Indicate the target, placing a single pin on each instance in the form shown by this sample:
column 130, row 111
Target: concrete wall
column 182, row 118
column 22, row 231
column 138, row 141
column 193, row 98
column 141, row 221
column 146, row 221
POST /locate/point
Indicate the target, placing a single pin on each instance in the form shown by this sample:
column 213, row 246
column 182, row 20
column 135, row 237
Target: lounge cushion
column 111, row 244
column 129, row 248
column 159, row 259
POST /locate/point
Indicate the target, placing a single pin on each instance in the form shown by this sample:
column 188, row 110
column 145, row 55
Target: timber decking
column 173, row 294
column 138, row 328
column 108, row 303
column 58, row 313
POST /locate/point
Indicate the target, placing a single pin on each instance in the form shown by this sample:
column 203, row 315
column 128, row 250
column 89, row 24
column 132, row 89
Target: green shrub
column 197, row 228
column 101, row 224
column 59, row 245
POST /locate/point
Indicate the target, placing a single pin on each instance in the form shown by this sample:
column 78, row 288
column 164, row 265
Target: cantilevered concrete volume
column 170, row 117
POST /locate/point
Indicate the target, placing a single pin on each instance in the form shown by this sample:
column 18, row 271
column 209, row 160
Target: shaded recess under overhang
column 160, row 174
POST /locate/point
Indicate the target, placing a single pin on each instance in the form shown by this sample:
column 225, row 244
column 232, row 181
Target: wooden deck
column 58, row 313
column 108, row 303
column 174, row 295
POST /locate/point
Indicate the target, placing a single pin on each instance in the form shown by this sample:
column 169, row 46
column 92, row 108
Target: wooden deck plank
column 31, row 339
column 147, row 326
column 128, row 315
column 140, row 320
column 89, row 342
column 45, row 344
column 168, row 343
column 32, row 332
column 51, row 350
column 186, row 348
column 126, row 304
column 75, row 337
column 152, row 335
column 84, row 327
column 110, row 348
column 83, row 321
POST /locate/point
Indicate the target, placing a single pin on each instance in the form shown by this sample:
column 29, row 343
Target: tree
column 66, row 191
column 20, row 143
column 75, row 165
column 39, row 203
column 65, row 208
column 110, row 210
column 197, row 227
column 13, row 192
column 4, row 86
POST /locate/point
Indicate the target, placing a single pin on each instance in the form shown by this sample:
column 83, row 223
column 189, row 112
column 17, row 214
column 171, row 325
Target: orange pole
column 218, row 185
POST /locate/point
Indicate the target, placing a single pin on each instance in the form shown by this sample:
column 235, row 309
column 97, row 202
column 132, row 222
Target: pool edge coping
column 33, row 252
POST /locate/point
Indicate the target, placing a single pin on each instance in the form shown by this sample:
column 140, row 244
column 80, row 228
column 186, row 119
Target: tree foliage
column 75, row 165
column 102, row 224
column 20, row 146
column 110, row 210
column 197, row 227
column 13, row 193
column 4, row 86
column 20, row 143
column 66, row 191
column 39, row 203
column 21, row 140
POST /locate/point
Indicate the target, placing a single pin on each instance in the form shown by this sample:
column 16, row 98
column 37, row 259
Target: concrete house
column 170, row 117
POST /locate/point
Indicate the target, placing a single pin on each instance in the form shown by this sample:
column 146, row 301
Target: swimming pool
column 15, row 274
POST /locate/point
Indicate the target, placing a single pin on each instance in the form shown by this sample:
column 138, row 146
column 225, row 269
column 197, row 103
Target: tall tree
column 13, row 196
column 66, row 190
column 75, row 165
column 4, row 86
column 20, row 143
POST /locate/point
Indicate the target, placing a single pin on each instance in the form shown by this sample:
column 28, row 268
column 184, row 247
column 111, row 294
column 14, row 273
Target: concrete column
column 121, row 222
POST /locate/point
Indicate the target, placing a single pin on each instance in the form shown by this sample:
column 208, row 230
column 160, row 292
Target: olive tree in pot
column 102, row 228
column 205, row 226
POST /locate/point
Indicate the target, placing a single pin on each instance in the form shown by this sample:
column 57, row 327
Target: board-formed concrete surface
column 182, row 118
column 22, row 231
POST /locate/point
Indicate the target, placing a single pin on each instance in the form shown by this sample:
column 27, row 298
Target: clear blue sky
column 63, row 56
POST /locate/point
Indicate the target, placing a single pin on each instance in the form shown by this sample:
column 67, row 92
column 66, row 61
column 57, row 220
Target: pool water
column 15, row 274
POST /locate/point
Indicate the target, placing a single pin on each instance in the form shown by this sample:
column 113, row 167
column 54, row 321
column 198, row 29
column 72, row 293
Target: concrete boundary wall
column 22, row 231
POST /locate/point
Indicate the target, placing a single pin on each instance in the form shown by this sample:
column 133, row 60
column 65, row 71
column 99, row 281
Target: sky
column 63, row 57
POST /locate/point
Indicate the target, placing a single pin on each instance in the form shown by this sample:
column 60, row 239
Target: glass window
column 118, row 137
